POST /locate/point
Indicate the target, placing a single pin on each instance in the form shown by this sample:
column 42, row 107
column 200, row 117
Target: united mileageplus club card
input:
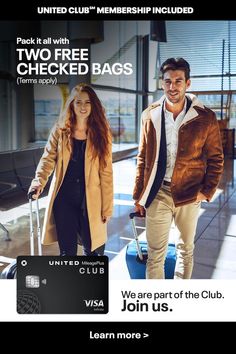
column 62, row 285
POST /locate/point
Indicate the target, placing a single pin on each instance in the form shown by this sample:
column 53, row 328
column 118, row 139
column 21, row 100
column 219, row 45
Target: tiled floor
column 215, row 247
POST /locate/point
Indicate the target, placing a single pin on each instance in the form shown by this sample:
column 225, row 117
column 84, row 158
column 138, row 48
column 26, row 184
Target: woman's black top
column 75, row 169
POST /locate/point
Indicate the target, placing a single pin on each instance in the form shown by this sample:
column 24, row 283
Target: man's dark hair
column 176, row 64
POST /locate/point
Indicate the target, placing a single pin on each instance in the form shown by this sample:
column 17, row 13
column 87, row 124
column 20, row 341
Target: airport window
column 153, row 74
column 218, row 103
column 8, row 124
column 47, row 106
column 119, row 46
column 233, row 112
column 6, row 117
column 209, row 47
column 121, row 112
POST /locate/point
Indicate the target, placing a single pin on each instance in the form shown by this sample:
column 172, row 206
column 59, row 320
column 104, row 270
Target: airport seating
column 8, row 179
column 8, row 182
column 17, row 169
column 24, row 166
column 228, row 142
column 227, row 138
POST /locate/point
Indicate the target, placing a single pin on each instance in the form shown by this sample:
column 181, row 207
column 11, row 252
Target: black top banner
column 117, row 10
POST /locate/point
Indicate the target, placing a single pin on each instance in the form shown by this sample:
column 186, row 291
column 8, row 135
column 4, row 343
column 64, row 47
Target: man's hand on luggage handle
column 200, row 197
column 139, row 208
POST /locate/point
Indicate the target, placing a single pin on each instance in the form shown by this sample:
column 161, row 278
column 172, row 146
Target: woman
column 79, row 151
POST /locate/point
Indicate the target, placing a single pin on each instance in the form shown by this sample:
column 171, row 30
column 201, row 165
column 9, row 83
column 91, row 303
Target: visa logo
column 94, row 303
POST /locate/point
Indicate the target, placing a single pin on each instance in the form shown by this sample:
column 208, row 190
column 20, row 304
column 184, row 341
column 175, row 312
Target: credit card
column 62, row 285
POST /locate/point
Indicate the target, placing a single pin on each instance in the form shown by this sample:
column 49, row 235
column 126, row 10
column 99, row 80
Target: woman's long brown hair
column 98, row 127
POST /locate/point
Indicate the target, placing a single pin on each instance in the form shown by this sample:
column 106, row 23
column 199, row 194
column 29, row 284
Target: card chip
column 32, row 281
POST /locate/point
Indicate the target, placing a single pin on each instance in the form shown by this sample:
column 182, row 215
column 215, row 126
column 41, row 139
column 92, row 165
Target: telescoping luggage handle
column 132, row 216
column 30, row 197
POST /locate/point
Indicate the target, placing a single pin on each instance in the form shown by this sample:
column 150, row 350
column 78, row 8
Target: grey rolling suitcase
column 10, row 271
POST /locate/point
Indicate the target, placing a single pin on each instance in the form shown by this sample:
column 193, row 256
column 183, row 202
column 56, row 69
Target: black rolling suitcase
column 10, row 271
column 136, row 255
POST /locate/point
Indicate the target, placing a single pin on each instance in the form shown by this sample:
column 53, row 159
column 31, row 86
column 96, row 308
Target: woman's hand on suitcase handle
column 139, row 209
column 36, row 190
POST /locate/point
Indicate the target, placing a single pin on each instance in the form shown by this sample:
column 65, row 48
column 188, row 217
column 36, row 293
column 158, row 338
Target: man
column 180, row 163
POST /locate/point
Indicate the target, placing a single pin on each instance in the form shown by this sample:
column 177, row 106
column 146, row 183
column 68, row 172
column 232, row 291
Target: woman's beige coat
column 98, row 181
